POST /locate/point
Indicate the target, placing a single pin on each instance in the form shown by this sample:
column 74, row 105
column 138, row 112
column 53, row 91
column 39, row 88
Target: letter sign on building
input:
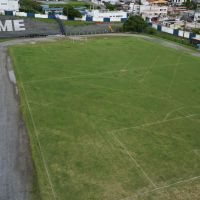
column 12, row 25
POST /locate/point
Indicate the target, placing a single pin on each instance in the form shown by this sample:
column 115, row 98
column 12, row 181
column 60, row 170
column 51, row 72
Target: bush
column 196, row 30
column 173, row 38
column 30, row 6
column 151, row 31
column 190, row 5
column 70, row 12
column 135, row 23
column 109, row 6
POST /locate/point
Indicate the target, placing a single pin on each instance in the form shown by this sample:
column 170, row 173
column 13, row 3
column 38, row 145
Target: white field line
column 123, row 146
column 108, row 88
column 174, row 74
column 178, row 109
column 163, row 187
column 75, row 111
column 172, row 111
column 39, row 144
column 149, row 68
column 154, row 123
column 176, row 183
column 97, row 100
column 103, row 119
column 70, row 77
column 133, row 159
column 162, row 134
column 125, row 91
column 93, row 116
column 83, row 74
column 196, row 152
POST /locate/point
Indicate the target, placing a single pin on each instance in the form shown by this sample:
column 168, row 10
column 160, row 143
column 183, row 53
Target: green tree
column 109, row 6
column 70, row 12
column 135, row 23
column 190, row 4
column 30, row 6
column 196, row 30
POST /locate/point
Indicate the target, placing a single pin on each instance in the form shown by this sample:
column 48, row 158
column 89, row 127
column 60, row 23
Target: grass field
column 111, row 118
column 5, row 39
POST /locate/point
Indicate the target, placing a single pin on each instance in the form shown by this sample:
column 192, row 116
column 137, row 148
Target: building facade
column 178, row 2
column 9, row 5
column 99, row 15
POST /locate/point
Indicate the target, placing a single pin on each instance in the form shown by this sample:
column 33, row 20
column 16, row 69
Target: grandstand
column 31, row 27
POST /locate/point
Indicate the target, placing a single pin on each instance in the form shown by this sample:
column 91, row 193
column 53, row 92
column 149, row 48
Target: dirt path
column 16, row 171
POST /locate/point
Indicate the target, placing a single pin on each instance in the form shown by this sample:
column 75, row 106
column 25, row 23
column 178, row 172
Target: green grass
column 77, row 23
column 4, row 39
column 72, row 3
column 174, row 38
column 115, row 117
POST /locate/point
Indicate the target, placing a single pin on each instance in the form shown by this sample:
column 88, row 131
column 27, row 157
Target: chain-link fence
column 91, row 29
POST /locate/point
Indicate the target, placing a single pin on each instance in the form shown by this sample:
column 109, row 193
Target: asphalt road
column 16, row 171
column 15, row 163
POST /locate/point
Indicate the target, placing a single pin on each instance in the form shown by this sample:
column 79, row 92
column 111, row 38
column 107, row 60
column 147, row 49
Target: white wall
column 113, row 15
column 155, row 26
column 178, row 2
column 167, row 30
column 197, row 16
column 186, row 34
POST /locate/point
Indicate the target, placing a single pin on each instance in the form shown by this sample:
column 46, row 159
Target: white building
column 101, row 2
column 148, row 11
column 178, row 2
column 197, row 15
column 151, row 11
column 9, row 5
column 100, row 15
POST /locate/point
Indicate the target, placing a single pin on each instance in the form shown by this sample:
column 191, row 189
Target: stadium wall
column 177, row 32
column 14, row 26
column 44, row 16
column 19, row 26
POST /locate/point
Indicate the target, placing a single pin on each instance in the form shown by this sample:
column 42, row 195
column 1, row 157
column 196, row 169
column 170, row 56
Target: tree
column 135, row 23
column 196, row 30
column 70, row 12
column 151, row 31
column 109, row 6
column 190, row 5
column 30, row 6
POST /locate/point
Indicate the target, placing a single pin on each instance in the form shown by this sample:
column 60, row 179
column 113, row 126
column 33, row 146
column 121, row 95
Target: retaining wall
column 177, row 32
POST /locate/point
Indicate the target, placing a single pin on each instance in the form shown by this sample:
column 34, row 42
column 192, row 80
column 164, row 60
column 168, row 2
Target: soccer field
column 111, row 118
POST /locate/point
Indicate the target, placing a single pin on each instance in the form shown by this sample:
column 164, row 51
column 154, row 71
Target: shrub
column 30, row 6
column 135, row 23
column 151, row 31
column 70, row 12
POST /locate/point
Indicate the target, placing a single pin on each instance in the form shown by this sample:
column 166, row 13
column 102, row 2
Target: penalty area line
column 153, row 123
column 163, row 187
column 133, row 159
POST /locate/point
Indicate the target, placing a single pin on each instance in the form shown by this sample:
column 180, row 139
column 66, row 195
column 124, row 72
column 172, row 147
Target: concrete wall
column 101, row 17
column 31, row 27
column 176, row 32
